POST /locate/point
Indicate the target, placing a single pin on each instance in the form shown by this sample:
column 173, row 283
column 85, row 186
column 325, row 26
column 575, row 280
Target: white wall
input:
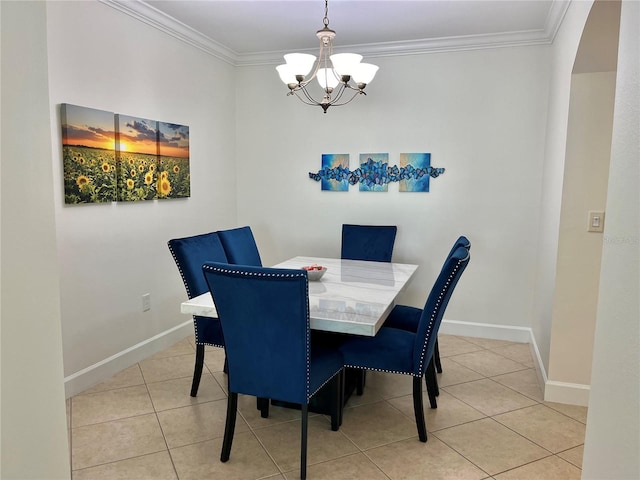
column 563, row 54
column 112, row 254
column 612, row 440
column 579, row 252
column 482, row 116
column 34, row 434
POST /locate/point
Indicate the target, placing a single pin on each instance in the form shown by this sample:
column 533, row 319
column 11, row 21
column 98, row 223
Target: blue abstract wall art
column 337, row 163
column 374, row 173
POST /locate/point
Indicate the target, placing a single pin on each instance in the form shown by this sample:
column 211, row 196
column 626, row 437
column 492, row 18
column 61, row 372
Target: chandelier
column 336, row 73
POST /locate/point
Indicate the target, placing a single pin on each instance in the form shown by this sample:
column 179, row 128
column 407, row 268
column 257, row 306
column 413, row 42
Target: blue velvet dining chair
column 368, row 242
column 265, row 319
column 372, row 243
column 407, row 318
column 410, row 353
column 190, row 253
column 240, row 246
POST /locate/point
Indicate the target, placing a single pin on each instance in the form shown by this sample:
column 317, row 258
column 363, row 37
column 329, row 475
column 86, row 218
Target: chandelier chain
column 325, row 20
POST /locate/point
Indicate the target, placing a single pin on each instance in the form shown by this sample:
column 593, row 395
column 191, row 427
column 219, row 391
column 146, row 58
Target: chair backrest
column 240, row 246
column 435, row 306
column 190, row 253
column 265, row 321
column 462, row 241
column 368, row 242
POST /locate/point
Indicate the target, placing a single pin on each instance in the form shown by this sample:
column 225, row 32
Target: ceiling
column 247, row 32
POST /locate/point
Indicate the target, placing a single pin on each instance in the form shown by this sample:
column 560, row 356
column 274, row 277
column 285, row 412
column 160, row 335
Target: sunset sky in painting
column 88, row 127
column 102, row 129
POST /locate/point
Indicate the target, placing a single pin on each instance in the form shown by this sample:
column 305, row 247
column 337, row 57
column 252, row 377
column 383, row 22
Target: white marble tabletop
column 353, row 296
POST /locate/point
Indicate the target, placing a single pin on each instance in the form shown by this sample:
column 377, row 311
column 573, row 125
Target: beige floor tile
column 177, row 392
column 487, row 363
column 491, row 446
column 183, row 347
column 546, row 427
column 449, row 345
column 573, row 455
column 524, row 382
column 487, row 342
column 156, row 466
column 196, row 423
column 167, row 368
column 117, row 440
column 489, row 397
column 550, row 468
column 222, row 379
column 282, row 441
column 389, row 385
column 434, row 460
column 376, row 424
column 518, row 352
column 344, row 468
column 110, row 405
column 248, row 460
column 450, row 411
column 129, row 377
column 454, row 373
column 214, row 358
column 574, row 411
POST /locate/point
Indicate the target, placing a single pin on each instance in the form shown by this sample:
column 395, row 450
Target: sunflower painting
column 173, row 161
column 88, row 155
column 111, row 157
column 136, row 158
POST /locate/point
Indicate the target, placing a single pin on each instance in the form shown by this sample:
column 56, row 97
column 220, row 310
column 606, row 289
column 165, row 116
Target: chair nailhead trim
column 436, row 310
column 382, row 370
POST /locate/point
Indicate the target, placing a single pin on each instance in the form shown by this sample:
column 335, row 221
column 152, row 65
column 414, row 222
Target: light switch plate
column 596, row 221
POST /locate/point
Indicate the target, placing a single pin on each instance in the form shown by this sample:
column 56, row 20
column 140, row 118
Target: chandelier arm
column 309, row 97
column 306, row 102
column 355, row 94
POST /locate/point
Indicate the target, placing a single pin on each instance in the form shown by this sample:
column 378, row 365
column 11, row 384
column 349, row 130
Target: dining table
column 352, row 296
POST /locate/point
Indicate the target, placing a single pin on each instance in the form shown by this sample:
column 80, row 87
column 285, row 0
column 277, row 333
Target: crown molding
column 157, row 19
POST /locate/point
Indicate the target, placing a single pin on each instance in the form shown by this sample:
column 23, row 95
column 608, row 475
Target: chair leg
column 263, row 406
column 417, row 409
column 343, row 376
column 197, row 371
column 230, row 426
column 360, row 381
column 303, row 442
column 432, row 383
column 336, row 395
column 436, row 355
column 225, row 367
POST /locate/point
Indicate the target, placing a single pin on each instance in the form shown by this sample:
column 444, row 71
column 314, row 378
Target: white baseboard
column 571, row 393
column 510, row 333
column 560, row 392
column 104, row 369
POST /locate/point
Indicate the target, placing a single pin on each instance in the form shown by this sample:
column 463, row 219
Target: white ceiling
column 246, row 32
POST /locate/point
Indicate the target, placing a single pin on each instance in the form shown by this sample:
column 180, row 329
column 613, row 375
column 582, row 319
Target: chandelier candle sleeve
column 335, row 73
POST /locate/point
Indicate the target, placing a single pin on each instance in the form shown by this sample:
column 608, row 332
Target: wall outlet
column 596, row 222
column 146, row 302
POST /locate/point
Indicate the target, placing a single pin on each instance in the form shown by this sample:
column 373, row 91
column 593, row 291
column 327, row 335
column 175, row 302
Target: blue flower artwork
column 337, row 167
column 373, row 172
column 415, row 177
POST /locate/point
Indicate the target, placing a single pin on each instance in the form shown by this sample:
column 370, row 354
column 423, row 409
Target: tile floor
column 491, row 423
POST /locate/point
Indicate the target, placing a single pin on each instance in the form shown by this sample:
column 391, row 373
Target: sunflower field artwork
column 112, row 157
column 173, row 152
column 88, row 155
